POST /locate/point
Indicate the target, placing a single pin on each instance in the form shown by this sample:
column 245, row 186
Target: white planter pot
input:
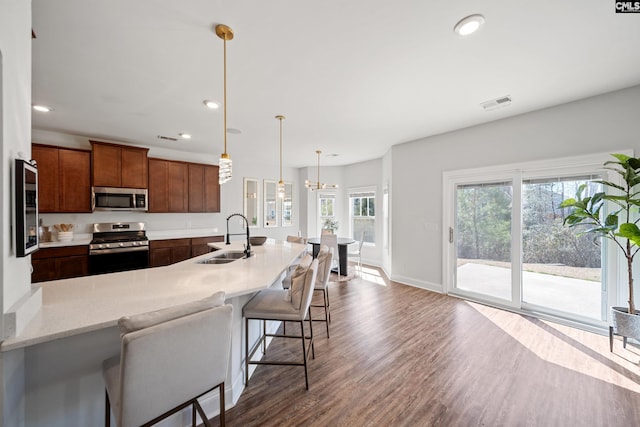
column 623, row 324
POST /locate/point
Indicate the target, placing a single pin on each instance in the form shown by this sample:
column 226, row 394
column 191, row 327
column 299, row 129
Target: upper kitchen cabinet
column 204, row 190
column 118, row 165
column 176, row 186
column 64, row 179
column 168, row 186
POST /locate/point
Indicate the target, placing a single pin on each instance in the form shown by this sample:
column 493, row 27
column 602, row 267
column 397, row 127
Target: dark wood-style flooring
column 402, row 356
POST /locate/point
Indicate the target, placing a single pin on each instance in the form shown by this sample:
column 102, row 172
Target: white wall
column 230, row 193
column 593, row 125
column 15, row 138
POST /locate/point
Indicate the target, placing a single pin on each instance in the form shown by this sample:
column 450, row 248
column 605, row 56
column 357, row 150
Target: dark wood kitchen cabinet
column 64, row 181
column 204, row 189
column 119, row 165
column 176, row 186
column 60, row 263
column 168, row 186
column 168, row 251
column 199, row 245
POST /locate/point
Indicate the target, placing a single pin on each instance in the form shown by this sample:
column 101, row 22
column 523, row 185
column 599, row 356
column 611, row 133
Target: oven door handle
column 118, row 250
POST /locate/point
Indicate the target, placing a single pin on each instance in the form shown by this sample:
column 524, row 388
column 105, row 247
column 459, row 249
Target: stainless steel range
column 118, row 246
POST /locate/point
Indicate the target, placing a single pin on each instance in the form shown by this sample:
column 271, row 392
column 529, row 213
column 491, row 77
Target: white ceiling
column 353, row 77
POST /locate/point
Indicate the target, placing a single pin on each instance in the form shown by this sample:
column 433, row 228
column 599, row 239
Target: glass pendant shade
column 224, row 172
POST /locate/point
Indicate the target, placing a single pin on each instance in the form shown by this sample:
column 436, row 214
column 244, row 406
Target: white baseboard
column 422, row 284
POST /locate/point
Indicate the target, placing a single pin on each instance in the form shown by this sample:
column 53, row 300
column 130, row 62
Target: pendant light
column 281, row 191
column 225, row 169
column 314, row 186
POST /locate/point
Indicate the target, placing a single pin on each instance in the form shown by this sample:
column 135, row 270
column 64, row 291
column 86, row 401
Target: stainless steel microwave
column 118, row 199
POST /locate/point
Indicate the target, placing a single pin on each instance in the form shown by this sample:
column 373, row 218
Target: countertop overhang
column 84, row 304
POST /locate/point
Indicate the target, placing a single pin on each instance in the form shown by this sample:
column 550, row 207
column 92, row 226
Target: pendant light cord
column 225, row 95
column 280, row 118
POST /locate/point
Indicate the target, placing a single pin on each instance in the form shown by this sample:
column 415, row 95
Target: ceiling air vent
column 167, row 138
column 494, row 104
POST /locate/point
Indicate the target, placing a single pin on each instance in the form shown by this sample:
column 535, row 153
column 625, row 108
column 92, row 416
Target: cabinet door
column 196, row 188
column 73, row 266
column 199, row 245
column 107, row 165
column 134, row 167
column 178, row 191
column 159, row 257
column 211, row 189
column 43, row 270
column 180, row 253
column 74, row 178
column 158, row 186
column 47, row 159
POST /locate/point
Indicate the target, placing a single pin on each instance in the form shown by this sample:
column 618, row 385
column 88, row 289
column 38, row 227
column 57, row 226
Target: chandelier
column 314, row 186
column 225, row 33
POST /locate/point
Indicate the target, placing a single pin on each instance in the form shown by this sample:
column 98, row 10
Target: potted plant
column 330, row 224
column 618, row 226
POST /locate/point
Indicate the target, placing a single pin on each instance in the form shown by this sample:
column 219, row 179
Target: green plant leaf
column 631, row 232
column 568, row 203
column 634, row 163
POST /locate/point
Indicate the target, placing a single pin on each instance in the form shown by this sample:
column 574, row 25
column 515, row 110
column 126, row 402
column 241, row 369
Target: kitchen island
column 75, row 329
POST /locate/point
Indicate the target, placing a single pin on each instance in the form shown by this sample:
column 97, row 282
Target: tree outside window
column 363, row 215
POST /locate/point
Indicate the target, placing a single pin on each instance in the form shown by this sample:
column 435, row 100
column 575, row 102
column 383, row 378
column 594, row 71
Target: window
column 362, row 215
column 327, row 202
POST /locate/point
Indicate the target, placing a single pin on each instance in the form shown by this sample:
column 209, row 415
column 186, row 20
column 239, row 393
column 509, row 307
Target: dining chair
column 358, row 252
column 272, row 304
column 169, row 358
column 331, row 240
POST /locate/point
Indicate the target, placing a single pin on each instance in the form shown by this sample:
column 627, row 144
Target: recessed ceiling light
column 42, row 108
column 211, row 104
column 185, row 135
column 469, row 25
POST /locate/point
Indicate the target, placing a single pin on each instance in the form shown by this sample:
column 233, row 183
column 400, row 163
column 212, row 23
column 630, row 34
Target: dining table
column 343, row 243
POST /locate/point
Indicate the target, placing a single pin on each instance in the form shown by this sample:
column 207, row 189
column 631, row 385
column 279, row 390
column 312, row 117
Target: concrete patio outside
column 576, row 296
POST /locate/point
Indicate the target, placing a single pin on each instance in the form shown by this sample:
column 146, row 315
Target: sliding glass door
column 483, row 239
column 561, row 269
column 508, row 246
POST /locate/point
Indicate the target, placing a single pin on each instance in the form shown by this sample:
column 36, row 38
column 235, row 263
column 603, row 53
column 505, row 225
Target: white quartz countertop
column 84, row 304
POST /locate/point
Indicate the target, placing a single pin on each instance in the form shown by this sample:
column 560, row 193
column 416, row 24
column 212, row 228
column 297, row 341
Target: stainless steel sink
column 232, row 255
column 215, row 261
column 223, row 258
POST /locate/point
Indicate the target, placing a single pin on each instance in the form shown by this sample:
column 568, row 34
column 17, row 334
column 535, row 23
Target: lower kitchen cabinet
column 169, row 251
column 60, row 263
column 199, row 246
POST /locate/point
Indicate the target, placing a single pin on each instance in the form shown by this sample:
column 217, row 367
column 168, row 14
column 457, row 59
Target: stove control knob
column 100, row 246
column 135, row 243
column 121, row 245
